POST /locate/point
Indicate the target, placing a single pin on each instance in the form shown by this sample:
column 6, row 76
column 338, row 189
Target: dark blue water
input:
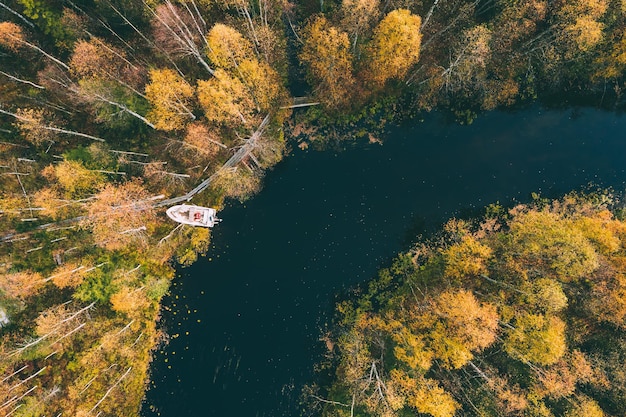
column 245, row 321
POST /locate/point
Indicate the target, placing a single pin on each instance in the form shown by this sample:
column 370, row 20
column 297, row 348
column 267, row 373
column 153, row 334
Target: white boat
column 193, row 215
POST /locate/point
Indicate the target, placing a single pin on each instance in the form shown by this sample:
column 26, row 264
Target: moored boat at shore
column 193, row 215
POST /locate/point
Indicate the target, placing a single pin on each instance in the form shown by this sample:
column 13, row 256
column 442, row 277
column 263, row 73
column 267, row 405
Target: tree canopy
column 108, row 107
column 488, row 319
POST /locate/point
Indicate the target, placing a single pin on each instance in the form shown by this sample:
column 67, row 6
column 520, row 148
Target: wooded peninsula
column 112, row 109
column 520, row 313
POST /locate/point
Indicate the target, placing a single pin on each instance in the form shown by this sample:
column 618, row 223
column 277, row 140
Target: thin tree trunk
column 80, row 326
column 54, row 129
column 121, row 107
column 14, row 373
column 110, row 389
column 16, row 399
column 41, row 87
column 170, row 234
column 329, row 401
column 41, row 51
column 429, row 14
column 113, row 51
column 183, row 40
column 152, row 44
column 4, row 6
column 12, row 144
column 128, row 152
column 28, row 379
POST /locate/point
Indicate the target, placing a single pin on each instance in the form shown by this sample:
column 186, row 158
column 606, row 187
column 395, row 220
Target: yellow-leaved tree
column 463, row 326
column 93, row 58
column 410, row 347
column 32, row 125
column 236, row 183
column 394, row 48
column 131, row 301
column 430, row 398
column 225, row 99
column 358, row 16
column 328, row 60
column 51, row 202
column 246, row 85
column 20, row 284
column 466, row 258
column 544, row 295
column 227, row 48
column 612, row 63
column 581, row 21
column 423, row 394
column 608, row 294
column 70, row 274
column 549, row 242
column 170, row 96
column 76, row 179
column 585, row 407
column 264, row 83
column 536, row 338
column 203, row 142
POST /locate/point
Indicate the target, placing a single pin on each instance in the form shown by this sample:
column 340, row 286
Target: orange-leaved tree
column 11, row 36
column 120, row 215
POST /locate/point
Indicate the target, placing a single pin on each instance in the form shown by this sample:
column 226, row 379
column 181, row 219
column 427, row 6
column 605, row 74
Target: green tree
column 46, row 17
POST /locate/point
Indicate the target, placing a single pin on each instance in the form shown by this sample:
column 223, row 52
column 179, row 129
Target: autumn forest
column 519, row 313
column 112, row 110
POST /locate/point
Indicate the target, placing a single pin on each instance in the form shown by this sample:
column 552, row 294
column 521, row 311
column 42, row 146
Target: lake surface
column 245, row 320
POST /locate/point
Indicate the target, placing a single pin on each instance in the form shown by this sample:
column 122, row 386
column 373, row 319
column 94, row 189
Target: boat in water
column 193, row 215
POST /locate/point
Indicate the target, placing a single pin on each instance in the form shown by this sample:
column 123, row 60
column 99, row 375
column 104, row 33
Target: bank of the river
column 245, row 321
column 108, row 105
